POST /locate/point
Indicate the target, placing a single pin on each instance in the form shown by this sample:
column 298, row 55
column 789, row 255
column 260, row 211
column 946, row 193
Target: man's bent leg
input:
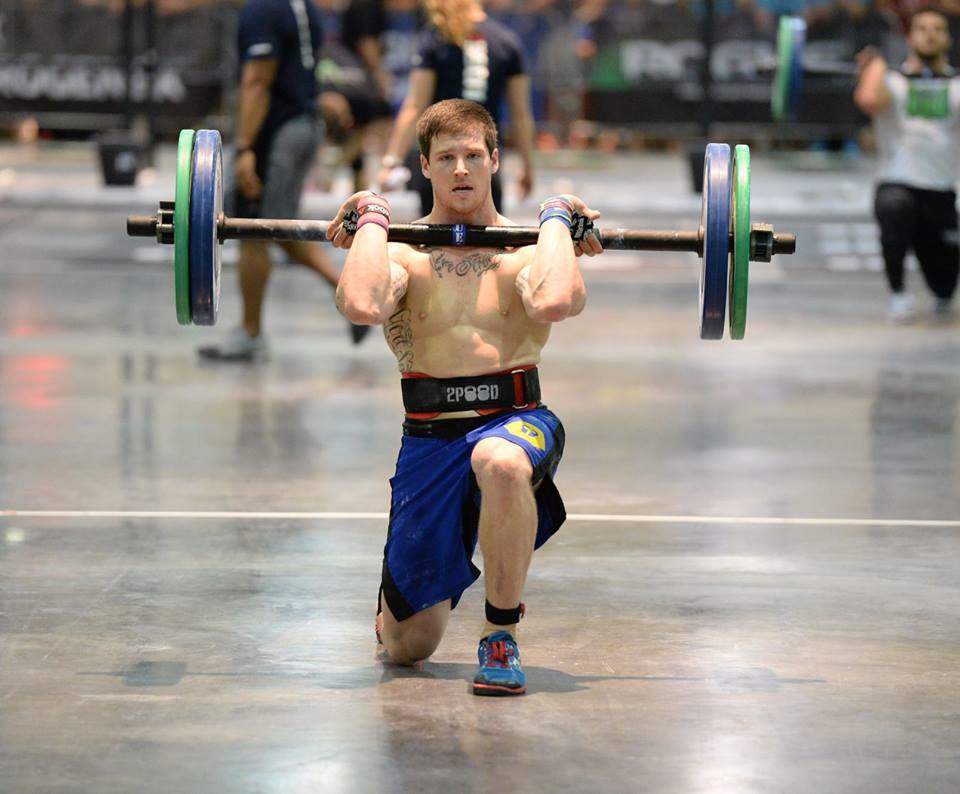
column 417, row 637
column 936, row 244
column 895, row 210
column 313, row 256
column 254, row 272
column 508, row 531
column 508, row 521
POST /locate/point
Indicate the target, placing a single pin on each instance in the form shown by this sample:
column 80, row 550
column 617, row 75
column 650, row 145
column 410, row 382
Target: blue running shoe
column 500, row 672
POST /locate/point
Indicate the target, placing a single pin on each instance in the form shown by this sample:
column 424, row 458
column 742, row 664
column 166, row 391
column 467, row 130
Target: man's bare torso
column 462, row 314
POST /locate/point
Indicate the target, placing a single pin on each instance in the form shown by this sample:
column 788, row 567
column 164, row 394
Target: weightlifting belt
column 515, row 389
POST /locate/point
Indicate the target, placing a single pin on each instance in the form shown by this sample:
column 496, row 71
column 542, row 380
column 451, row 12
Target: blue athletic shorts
column 435, row 503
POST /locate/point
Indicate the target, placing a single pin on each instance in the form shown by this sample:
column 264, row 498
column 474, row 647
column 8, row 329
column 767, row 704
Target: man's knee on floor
column 411, row 644
column 500, row 463
column 417, row 637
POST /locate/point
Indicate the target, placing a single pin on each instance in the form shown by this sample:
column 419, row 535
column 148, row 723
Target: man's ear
column 495, row 160
column 424, row 166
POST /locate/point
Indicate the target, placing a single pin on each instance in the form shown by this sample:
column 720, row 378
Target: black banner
column 647, row 69
column 67, row 63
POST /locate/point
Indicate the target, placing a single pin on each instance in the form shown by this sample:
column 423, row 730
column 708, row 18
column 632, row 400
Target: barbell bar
column 725, row 234
column 161, row 226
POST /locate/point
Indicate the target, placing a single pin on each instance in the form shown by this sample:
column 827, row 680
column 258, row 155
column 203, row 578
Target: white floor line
column 585, row 517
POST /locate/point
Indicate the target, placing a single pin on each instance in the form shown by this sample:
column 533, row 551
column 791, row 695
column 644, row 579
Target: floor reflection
column 913, row 450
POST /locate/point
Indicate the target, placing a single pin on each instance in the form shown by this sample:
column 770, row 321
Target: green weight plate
column 181, row 227
column 781, row 77
column 740, row 255
column 787, row 80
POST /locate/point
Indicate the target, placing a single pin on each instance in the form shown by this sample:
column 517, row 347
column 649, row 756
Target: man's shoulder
column 261, row 7
column 257, row 13
column 429, row 40
column 402, row 254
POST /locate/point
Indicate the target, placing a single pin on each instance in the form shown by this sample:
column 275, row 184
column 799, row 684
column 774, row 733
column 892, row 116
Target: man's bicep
column 259, row 70
column 421, row 88
column 522, row 281
column 399, row 276
column 892, row 92
column 259, row 33
column 518, row 93
column 399, row 281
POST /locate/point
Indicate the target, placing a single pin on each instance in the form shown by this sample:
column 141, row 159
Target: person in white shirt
column 916, row 115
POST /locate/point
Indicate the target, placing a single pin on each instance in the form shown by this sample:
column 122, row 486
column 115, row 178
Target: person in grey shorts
column 277, row 136
column 289, row 158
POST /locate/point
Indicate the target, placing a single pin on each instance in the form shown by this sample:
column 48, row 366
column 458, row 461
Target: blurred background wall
column 604, row 71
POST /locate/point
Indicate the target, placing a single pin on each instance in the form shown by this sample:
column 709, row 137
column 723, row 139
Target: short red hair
column 455, row 117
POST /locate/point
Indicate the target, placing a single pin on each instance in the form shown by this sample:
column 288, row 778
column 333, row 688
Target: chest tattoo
column 475, row 264
column 400, row 337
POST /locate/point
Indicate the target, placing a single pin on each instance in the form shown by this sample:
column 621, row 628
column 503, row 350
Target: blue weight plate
column 206, row 207
column 715, row 227
column 796, row 65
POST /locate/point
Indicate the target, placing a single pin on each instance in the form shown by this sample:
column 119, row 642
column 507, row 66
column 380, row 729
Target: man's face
column 460, row 168
column 929, row 36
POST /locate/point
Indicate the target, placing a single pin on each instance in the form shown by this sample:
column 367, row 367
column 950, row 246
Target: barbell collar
column 142, row 225
column 443, row 235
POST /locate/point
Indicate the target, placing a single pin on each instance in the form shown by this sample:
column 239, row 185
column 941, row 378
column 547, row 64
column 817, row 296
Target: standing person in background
column 385, row 36
column 277, row 136
column 916, row 115
column 466, row 55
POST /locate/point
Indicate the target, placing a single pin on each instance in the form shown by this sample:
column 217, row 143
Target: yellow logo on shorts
column 529, row 433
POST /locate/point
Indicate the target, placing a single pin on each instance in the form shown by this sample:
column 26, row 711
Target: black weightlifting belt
column 515, row 389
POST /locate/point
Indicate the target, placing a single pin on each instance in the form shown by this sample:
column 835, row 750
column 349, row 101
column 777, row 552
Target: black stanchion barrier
column 124, row 153
column 122, row 157
column 695, row 149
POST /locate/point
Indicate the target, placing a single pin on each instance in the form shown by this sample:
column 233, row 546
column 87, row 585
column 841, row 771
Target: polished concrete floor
column 758, row 590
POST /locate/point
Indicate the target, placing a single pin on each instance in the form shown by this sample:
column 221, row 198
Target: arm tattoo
column 398, row 285
column 399, row 333
column 476, row 263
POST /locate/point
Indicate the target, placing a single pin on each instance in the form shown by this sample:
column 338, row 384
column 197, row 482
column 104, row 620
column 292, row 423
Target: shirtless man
column 479, row 451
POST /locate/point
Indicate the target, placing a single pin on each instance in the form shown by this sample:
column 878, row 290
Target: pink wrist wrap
column 374, row 209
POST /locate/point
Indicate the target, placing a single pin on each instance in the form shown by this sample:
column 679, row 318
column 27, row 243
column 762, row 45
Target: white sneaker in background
column 237, row 346
column 902, row 307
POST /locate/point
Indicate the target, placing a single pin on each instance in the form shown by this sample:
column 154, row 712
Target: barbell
column 725, row 240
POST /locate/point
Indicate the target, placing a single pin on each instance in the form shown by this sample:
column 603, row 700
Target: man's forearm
column 553, row 288
column 401, row 139
column 364, row 288
column 871, row 94
column 253, row 105
column 523, row 128
column 369, row 50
